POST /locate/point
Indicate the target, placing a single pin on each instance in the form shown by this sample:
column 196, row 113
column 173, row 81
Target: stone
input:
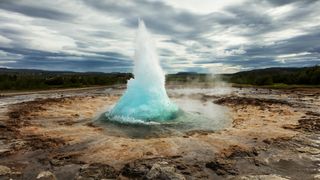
column 46, row 175
column 4, row 170
column 310, row 150
column 164, row 171
column 262, row 177
column 97, row 171
column 316, row 177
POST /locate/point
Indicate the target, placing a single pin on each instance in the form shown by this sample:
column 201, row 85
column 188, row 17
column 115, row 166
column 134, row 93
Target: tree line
column 11, row 79
column 290, row 76
column 21, row 80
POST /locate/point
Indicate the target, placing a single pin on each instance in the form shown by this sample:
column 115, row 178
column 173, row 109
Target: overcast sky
column 191, row 35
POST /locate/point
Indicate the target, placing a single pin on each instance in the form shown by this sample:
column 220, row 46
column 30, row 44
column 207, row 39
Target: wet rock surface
column 46, row 175
column 97, row 171
column 274, row 135
column 262, row 102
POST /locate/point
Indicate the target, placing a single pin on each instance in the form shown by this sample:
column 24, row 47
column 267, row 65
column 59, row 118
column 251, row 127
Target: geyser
column 146, row 98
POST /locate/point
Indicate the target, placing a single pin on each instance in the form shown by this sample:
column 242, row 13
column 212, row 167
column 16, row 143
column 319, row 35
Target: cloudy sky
column 191, row 35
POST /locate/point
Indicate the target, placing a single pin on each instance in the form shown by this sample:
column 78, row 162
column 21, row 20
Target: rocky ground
column 275, row 134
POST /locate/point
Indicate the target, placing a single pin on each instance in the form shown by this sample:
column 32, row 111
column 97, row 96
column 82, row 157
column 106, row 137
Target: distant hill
column 280, row 70
column 304, row 76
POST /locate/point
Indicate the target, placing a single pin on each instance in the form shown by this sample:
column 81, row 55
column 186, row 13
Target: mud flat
column 274, row 134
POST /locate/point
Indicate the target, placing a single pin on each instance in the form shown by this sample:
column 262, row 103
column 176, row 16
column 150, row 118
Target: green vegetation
column 277, row 77
column 36, row 79
column 23, row 79
column 270, row 77
column 184, row 77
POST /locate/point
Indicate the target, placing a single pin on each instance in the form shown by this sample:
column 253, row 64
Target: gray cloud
column 97, row 35
column 284, row 2
column 159, row 17
column 34, row 11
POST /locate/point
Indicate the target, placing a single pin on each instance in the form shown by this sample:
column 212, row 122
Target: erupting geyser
column 146, row 98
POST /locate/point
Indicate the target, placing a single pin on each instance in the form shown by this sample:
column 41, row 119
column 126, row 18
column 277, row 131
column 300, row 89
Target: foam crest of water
column 146, row 98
